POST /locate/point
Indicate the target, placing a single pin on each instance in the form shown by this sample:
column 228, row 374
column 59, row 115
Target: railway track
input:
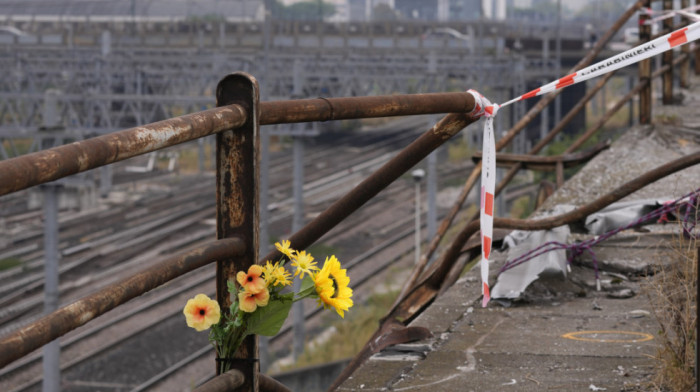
column 117, row 240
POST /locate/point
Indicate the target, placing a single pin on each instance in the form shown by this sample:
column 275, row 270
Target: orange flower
column 249, row 301
column 201, row 312
column 252, row 281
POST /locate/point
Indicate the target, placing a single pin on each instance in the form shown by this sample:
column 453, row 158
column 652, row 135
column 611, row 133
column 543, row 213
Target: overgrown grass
column 10, row 262
column 22, row 146
column 522, row 207
column 459, row 151
column 672, row 292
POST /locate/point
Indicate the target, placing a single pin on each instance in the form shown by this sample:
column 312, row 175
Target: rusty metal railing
column 236, row 123
column 49, row 165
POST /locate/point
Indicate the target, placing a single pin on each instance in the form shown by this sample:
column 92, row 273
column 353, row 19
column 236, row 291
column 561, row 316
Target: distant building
column 446, row 10
column 356, row 10
column 494, row 9
column 417, row 9
column 465, row 9
column 229, row 9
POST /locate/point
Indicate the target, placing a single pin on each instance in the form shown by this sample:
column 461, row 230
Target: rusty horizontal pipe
column 233, row 379
column 543, row 163
column 453, row 252
column 44, row 166
column 225, row 382
column 447, row 127
column 55, row 163
column 326, row 109
column 70, row 317
column 269, row 384
column 423, row 293
column 427, row 289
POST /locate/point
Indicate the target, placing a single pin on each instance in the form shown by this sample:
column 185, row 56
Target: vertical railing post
column 237, row 202
column 667, row 59
column 645, row 67
column 684, row 68
column 697, row 54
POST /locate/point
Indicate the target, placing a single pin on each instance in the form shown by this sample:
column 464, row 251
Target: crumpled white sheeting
column 511, row 283
column 620, row 214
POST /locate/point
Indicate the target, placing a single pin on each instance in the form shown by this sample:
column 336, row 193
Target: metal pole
column 432, row 194
column 237, row 203
column 667, row 58
column 200, row 155
column 630, row 86
column 544, row 116
column 418, row 175
column 33, row 336
column 297, row 224
column 684, row 68
column 263, row 346
column 52, row 351
column 557, row 64
column 645, row 68
column 105, row 180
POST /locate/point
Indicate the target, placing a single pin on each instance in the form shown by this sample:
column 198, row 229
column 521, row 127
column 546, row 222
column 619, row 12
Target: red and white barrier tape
column 670, row 14
column 485, row 108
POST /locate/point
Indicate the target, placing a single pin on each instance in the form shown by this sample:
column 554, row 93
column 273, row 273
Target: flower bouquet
column 260, row 304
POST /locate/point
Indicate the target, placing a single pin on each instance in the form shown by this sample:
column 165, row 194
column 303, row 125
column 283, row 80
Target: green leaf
column 233, row 309
column 268, row 320
column 307, row 289
column 231, row 286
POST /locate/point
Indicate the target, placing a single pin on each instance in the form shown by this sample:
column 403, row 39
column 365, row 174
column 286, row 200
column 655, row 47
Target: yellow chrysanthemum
column 332, row 286
column 201, row 312
column 304, row 264
column 284, row 247
column 248, row 301
column 276, row 274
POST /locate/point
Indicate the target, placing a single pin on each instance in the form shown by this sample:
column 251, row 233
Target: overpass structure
column 93, row 75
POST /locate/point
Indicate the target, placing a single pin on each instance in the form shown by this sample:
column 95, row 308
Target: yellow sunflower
column 201, row 312
column 332, row 286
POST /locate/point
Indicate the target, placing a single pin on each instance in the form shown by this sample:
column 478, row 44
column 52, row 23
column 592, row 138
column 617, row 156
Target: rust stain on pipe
column 452, row 253
column 58, row 323
column 49, row 165
column 326, row 109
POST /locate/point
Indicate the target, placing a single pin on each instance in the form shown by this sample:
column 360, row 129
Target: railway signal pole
column 418, row 175
column 52, row 351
